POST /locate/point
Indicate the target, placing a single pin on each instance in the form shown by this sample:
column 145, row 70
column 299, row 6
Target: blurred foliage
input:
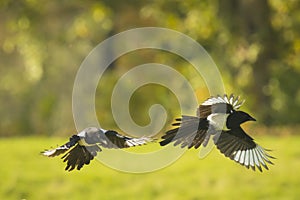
column 255, row 44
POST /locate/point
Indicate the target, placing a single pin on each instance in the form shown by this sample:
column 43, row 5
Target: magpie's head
column 236, row 118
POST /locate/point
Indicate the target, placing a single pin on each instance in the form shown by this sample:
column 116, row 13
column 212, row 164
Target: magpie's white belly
column 218, row 120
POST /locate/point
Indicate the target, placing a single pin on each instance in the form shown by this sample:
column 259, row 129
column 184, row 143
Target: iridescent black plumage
column 219, row 118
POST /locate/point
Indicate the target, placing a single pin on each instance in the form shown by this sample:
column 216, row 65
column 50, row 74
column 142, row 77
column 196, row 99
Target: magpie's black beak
column 251, row 119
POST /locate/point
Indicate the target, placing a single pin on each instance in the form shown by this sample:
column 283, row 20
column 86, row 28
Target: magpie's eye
column 231, row 111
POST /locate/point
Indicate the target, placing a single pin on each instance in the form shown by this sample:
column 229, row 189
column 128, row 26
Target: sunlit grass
column 25, row 174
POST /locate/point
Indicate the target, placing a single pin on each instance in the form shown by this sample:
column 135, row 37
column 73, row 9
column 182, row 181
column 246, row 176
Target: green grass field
column 25, row 174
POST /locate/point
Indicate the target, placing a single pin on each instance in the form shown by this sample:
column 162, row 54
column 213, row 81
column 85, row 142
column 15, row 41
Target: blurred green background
column 255, row 44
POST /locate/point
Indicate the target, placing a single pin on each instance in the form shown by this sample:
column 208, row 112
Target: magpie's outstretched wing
column 240, row 147
column 191, row 133
column 63, row 148
column 219, row 104
column 111, row 139
column 76, row 155
column 79, row 156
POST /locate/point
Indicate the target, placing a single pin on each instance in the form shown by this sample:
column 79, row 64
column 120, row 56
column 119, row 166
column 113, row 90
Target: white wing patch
column 218, row 120
column 138, row 141
column 232, row 100
column 49, row 152
column 82, row 133
column 255, row 157
column 56, row 151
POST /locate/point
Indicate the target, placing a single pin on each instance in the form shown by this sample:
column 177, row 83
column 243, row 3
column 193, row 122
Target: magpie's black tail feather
column 168, row 137
column 184, row 134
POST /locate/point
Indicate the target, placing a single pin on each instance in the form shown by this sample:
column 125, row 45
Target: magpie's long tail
column 63, row 148
column 185, row 133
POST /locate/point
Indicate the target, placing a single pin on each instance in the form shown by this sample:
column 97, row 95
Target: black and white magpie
column 218, row 117
column 83, row 147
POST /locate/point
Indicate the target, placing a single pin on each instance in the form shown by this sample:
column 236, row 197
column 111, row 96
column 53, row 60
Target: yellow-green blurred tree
column 255, row 43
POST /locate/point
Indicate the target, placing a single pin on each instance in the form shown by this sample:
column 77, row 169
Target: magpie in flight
column 218, row 117
column 83, row 147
